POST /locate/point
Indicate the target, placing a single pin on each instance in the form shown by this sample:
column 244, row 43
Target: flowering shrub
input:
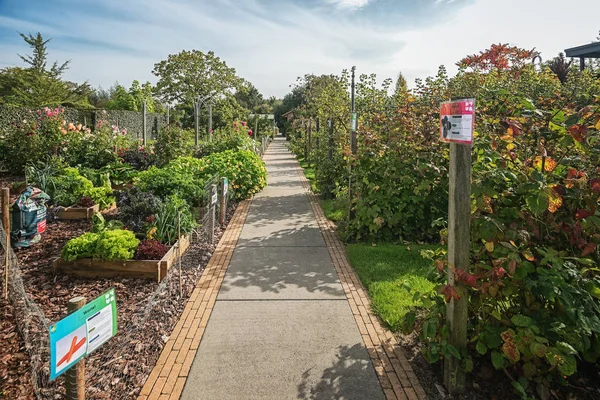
column 34, row 139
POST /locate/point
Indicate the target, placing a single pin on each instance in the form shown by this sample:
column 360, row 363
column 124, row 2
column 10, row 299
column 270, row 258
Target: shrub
column 244, row 169
column 179, row 178
column 173, row 142
column 68, row 187
column 137, row 209
column 97, row 149
column 140, row 158
column 34, row 139
column 221, row 143
column 150, row 249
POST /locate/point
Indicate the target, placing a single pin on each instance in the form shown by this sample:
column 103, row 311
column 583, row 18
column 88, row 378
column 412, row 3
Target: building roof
column 591, row 50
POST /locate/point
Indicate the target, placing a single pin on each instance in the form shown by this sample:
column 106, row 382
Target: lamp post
column 353, row 117
column 198, row 103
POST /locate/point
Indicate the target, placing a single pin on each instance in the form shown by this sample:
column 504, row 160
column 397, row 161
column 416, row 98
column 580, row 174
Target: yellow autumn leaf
column 489, row 246
column 598, row 124
column 510, row 146
column 549, row 163
column 528, row 255
column 555, row 201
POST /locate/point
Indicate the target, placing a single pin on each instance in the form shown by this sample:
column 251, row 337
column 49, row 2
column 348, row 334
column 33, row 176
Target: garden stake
column 6, row 223
column 75, row 377
column 179, row 252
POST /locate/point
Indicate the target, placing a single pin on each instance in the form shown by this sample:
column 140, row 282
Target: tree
column 36, row 85
column 401, row 85
column 248, row 96
column 188, row 74
column 498, row 57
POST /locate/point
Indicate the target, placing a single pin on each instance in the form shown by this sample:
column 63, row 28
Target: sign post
column 213, row 204
column 223, row 211
column 456, row 127
column 86, row 328
column 75, row 377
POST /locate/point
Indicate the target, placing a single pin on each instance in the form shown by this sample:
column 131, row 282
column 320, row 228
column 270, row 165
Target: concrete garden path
column 281, row 327
column 279, row 313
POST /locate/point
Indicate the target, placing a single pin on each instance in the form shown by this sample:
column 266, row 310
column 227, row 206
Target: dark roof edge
column 591, row 50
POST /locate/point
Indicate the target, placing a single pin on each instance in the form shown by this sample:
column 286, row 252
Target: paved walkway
column 281, row 327
column 279, row 313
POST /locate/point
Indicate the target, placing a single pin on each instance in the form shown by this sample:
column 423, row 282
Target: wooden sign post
column 75, row 377
column 457, row 122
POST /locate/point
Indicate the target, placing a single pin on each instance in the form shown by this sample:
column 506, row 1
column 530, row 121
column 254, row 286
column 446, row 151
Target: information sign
column 457, row 119
column 354, row 122
column 225, row 186
column 82, row 332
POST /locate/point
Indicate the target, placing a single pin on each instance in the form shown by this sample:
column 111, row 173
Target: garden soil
column 146, row 317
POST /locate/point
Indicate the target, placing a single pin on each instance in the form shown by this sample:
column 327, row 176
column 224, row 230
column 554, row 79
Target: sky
column 272, row 42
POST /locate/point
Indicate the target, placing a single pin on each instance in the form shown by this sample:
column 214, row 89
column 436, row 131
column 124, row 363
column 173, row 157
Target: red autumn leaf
column 581, row 214
column 440, row 265
column 579, row 132
column 449, row 293
column 588, row 249
column 595, row 185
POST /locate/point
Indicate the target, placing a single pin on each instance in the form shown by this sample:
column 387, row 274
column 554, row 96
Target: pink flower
column 235, row 124
column 243, row 123
column 250, row 132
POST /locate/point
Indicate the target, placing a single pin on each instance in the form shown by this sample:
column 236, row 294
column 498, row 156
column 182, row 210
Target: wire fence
column 147, row 313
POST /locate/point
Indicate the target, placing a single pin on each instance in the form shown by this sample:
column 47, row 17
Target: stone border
column 395, row 373
column 168, row 377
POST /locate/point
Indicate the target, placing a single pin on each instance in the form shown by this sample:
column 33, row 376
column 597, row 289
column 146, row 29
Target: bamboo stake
column 179, row 252
column 6, row 223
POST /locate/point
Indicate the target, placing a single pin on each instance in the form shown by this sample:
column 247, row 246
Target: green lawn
column 308, row 172
column 383, row 269
column 334, row 209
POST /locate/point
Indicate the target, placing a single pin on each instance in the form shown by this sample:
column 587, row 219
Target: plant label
column 457, row 120
column 82, row 332
column 214, row 197
column 354, row 122
column 225, row 186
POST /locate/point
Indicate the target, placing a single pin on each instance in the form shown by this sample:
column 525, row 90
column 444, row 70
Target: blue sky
column 271, row 42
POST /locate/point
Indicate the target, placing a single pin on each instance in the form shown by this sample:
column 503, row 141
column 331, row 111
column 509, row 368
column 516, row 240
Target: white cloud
column 349, row 4
column 271, row 44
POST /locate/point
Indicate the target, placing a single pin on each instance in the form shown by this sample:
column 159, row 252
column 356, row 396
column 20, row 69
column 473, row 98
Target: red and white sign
column 457, row 121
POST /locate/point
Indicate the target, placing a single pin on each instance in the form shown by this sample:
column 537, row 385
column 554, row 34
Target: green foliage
column 244, row 169
column 183, row 177
column 38, row 86
column 188, row 74
column 173, row 142
column 233, row 137
column 115, row 245
column 172, row 213
column 137, row 209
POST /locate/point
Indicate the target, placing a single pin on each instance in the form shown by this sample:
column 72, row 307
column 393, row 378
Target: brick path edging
column 167, row 379
column 395, row 373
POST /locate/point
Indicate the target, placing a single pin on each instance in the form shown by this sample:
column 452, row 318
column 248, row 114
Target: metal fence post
column 75, row 377
column 145, row 127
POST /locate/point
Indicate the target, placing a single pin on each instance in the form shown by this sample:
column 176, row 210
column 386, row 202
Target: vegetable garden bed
column 76, row 213
column 145, row 269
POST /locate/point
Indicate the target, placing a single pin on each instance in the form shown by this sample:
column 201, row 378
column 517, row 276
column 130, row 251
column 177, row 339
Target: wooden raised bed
column 74, row 213
column 148, row 269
